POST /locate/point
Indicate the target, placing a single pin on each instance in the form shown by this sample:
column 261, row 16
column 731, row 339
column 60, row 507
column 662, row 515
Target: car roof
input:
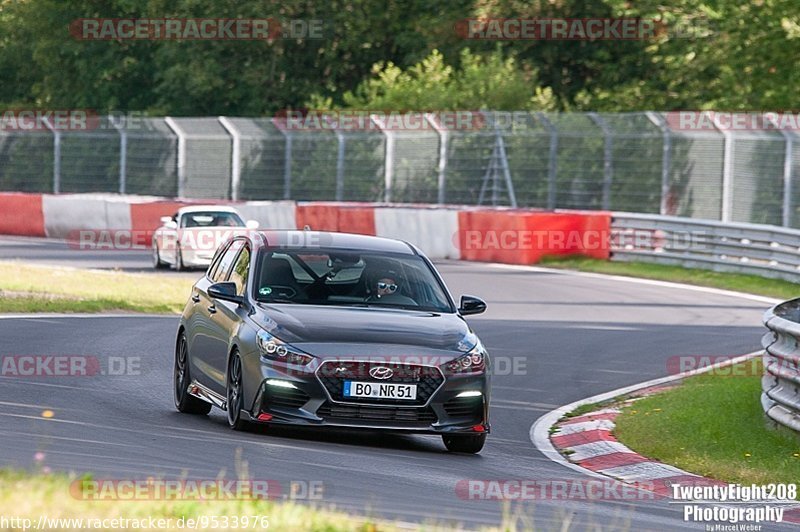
column 331, row 240
column 206, row 208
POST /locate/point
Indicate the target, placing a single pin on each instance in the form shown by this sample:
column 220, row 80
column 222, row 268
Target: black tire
column 234, row 397
column 184, row 401
column 158, row 264
column 179, row 266
column 464, row 443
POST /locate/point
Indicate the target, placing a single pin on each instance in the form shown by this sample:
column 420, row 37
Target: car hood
column 316, row 328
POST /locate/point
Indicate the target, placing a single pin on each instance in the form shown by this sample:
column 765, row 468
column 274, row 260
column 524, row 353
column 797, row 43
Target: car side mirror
column 251, row 224
column 166, row 219
column 471, row 305
column 226, row 292
column 171, row 224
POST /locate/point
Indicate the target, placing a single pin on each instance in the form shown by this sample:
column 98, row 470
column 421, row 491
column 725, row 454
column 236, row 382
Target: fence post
column 786, row 217
column 442, row 167
column 727, row 169
column 608, row 169
column 123, row 153
column 340, row 151
column 181, row 154
column 666, row 159
column 551, row 161
column 56, row 155
column 388, row 163
column 236, row 156
column 287, row 167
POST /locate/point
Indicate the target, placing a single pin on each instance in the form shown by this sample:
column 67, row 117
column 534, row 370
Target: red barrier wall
column 520, row 237
column 346, row 218
column 21, row 214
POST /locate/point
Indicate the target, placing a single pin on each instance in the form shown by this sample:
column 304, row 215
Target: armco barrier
column 780, row 384
column 524, row 237
column 342, row 217
column 21, row 214
column 763, row 250
column 433, row 230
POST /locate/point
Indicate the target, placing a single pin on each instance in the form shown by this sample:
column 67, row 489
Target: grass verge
column 27, row 496
column 26, row 288
column 751, row 284
column 713, row 425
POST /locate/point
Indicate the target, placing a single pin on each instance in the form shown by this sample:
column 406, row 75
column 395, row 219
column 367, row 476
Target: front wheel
column 184, row 401
column 464, row 443
column 235, row 398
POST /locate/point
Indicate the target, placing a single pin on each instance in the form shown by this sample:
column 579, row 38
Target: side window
column 221, row 272
column 214, row 266
column 240, row 270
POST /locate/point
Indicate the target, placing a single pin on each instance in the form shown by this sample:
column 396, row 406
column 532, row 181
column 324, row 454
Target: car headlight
column 472, row 362
column 276, row 349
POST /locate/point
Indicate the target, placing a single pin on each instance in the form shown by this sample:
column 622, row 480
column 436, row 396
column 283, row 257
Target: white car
column 189, row 238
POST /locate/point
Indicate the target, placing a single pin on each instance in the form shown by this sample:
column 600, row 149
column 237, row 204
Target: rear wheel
column 464, row 443
column 158, row 264
column 184, row 401
column 235, row 398
column 179, row 266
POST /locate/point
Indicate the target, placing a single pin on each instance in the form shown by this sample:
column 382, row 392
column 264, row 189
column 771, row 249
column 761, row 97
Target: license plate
column 380, row 390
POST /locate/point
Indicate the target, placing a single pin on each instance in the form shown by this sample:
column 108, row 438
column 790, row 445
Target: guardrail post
column 608, row 169
column 287, row 167
column 551, row 161
column 56, row 155
column 786, row 216
column 727, row 170
column 123, row 152
column 236, row 156
column 340, row 151
column 388, row 163
column 666, row 159
column 442, row 167
column 181, row 154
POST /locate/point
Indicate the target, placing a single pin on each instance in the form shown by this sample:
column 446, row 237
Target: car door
column 208, row 334
column 227, row 318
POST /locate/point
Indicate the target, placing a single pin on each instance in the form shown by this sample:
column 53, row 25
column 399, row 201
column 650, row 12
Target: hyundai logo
column 381, row 373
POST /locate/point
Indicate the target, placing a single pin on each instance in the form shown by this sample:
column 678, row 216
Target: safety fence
column 780, row 384
column 693, row 166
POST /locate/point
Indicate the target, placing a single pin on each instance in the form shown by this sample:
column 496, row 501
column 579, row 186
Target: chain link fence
column 634, row 162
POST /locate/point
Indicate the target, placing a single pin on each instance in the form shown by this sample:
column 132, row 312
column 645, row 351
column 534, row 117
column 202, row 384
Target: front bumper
column 312, row 400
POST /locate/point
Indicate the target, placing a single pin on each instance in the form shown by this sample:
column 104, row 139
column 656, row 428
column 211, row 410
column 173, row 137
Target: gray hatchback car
column 332, row 330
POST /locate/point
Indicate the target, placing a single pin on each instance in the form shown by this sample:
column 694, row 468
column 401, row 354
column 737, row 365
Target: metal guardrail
column 764, row 250
column 780, row 384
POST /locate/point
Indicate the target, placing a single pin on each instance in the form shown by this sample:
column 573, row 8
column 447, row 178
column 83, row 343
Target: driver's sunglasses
column 387, row 286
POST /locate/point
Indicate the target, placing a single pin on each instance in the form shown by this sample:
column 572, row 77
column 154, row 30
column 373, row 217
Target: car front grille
column 465, row 407
column 332, row 375
column 283, row 397
column 390, row 415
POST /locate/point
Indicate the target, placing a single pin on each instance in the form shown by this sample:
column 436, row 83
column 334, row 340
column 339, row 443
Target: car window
column 221, row 273
column 240, row 271
column 348, row 277
column 211, row 219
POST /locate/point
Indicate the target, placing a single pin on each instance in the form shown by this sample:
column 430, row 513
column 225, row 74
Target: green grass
column 25, row 288
column 714, row 426
column 751, row 284
column 27, row 495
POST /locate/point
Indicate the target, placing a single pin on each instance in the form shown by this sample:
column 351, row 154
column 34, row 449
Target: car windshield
column 211, row 219
column 348, row 278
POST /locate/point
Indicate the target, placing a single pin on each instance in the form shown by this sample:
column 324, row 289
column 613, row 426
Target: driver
column 385, row 286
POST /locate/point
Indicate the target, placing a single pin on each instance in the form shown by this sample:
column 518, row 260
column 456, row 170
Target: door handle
column 196, row 298
column 212, row 309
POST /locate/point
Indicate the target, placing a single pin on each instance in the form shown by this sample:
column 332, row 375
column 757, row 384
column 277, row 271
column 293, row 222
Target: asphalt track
column 577, row 335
